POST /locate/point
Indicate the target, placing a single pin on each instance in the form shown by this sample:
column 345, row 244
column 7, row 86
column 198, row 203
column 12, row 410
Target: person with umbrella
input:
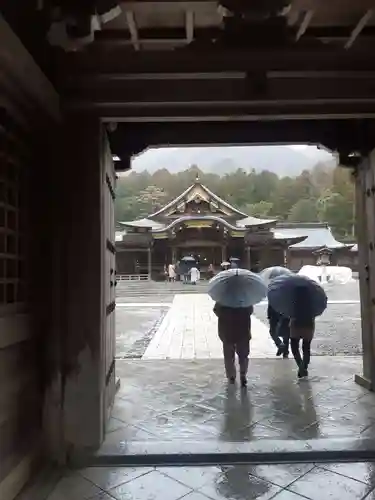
column 302, row 328
column 279, row 331
column 186, row 263
column 302, row 300
column 235, row 291
column 279, row 324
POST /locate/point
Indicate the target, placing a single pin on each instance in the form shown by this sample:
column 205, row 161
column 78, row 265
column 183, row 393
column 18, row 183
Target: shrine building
column 199, row 223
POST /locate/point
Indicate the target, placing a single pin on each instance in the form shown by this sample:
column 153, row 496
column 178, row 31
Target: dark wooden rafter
column 119, row 61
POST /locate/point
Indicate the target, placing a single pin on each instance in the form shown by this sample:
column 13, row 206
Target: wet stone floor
column 177, row 401
column 349, row 481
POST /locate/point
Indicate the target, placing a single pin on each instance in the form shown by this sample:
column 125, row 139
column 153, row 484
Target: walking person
column 302, row 329
column 279, row 331
column 194, row 275
column 234, row 329
column 171, row 273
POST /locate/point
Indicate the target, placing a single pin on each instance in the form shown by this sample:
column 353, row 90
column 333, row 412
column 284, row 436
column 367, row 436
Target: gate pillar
column 87, row 282
column 365, row 225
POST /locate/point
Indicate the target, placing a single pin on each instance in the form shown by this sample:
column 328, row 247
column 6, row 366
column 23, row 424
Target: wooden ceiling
column 156, row 25
column 180, row 70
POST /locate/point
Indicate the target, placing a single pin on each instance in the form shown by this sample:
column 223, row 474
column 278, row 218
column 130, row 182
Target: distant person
column 171, row 272
column 279, row 331
column 210, row 271
column 302, row 328
column 234, row 329
column 194, row 275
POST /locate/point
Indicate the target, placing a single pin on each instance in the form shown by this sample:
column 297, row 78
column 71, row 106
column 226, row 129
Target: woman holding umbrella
column 302, row 300
column 235, row 291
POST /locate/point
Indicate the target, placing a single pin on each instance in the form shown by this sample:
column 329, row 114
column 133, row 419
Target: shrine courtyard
column 174, row 402
column 176, row 395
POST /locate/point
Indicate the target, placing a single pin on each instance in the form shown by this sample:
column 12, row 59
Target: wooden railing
column 132, row 277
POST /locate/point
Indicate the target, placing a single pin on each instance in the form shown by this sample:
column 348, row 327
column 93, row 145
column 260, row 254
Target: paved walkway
column 189, row 331
column 350, row 481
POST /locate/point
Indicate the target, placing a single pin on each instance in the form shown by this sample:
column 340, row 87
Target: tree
column 304, row 211
column 338, row 212
column 151, row 199
column 261, row 209
column 325, row 194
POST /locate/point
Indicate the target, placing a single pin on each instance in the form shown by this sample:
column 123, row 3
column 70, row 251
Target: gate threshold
column 157, row 454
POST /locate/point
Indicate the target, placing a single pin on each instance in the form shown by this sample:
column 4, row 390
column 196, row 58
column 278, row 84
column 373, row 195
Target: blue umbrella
column 270, row 273
column 296, row 295
column 237, row 288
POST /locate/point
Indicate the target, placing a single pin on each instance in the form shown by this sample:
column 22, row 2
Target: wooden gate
column 109, row 280
column 365, row 218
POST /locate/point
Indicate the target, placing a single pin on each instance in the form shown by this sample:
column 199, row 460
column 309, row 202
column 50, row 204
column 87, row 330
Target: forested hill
column 323, row 194
column 282, row 160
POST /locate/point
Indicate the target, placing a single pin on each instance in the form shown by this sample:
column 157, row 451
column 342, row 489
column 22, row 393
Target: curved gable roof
column 189, row 191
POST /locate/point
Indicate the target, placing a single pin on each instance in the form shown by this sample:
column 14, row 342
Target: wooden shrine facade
column 198, row 223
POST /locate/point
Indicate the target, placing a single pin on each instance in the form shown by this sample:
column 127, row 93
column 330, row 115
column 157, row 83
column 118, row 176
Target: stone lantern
column 323, row 259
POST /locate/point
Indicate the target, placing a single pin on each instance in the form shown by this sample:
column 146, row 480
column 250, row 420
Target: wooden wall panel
column 21, row 393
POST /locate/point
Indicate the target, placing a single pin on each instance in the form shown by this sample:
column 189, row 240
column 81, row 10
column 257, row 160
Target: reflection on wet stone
column 316, row 483
column 188, row 400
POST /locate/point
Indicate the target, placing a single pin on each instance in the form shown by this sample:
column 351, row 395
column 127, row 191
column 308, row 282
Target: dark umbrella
column 296, row 295
column 189, row 259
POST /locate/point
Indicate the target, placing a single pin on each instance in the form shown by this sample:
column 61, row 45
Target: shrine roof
column 144, row 223
column 197, row 189
column 318, row 235
column 186, row 218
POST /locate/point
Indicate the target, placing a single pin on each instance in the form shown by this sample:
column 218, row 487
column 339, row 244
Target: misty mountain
column 282, row 160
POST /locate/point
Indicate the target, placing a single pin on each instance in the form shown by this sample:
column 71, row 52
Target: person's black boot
column 280, row 350
column 302, row 371
column 232, row 380
column 243, row 381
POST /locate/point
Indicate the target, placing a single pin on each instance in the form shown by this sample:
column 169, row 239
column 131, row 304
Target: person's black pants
column 306, row 351
column 280, row 333
column 274, row 332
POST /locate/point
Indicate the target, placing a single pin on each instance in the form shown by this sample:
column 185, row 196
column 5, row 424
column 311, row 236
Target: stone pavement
column 189, row 331
column 349, row 481
column 175, row 402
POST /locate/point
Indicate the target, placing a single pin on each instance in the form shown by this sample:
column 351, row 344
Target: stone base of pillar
column 363, row 382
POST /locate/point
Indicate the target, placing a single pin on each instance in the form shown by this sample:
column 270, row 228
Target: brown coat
column 302, row 329
column 234, row 324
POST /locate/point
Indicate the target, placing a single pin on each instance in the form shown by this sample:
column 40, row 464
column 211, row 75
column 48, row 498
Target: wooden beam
column 333, row 134
column 175, row 35
column 121, row 61
column 208, row 92
column 224, row 112
column 357, row 30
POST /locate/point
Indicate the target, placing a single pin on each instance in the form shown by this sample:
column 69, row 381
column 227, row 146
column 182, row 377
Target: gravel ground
column 135, row 328
column 338, row 330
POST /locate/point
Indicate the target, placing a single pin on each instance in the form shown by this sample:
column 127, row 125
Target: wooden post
column 248, row 258
column 174, row 255
column 149, row 262
column 223, row 253
column 365, row 223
